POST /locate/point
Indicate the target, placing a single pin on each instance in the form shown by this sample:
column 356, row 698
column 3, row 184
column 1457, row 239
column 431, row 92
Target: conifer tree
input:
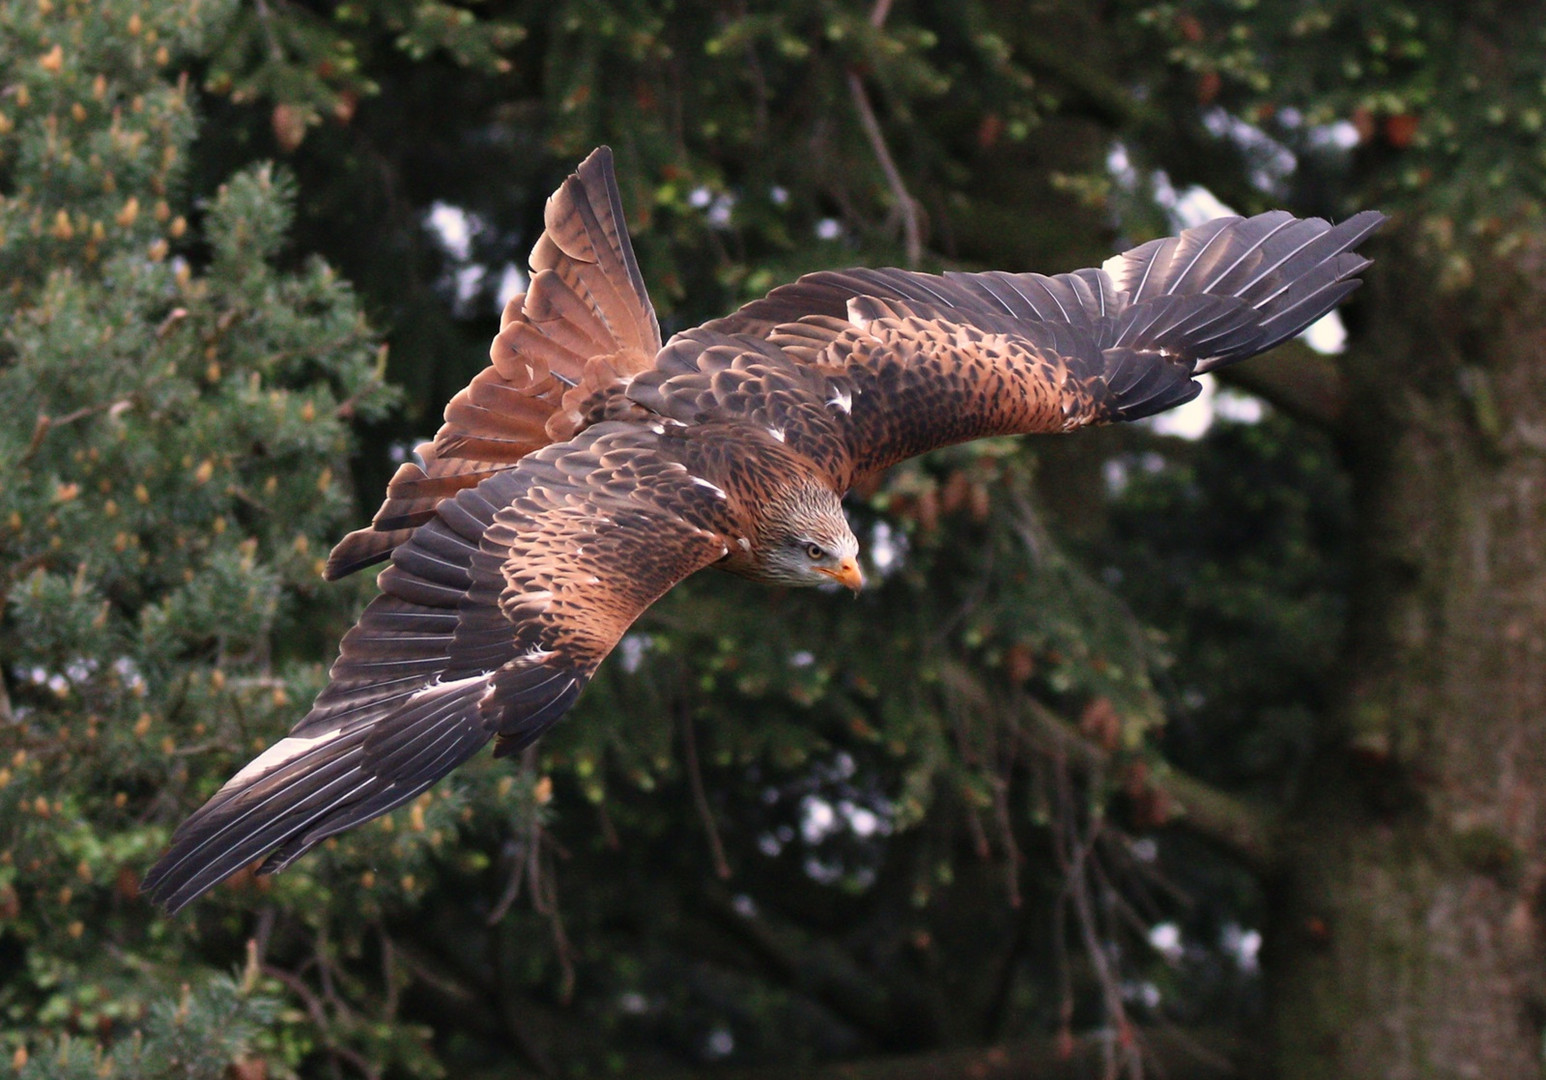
column 177, row 400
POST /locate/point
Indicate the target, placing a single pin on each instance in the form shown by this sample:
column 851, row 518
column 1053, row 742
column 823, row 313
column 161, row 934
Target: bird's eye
column 815, row 552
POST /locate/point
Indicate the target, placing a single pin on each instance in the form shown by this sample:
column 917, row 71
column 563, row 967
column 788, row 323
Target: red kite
column 588, row 469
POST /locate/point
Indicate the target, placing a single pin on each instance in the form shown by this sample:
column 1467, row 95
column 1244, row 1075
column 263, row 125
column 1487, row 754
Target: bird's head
column 809, row 542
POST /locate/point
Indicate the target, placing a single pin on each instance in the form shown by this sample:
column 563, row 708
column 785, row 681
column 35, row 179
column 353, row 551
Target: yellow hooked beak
column 847, row 573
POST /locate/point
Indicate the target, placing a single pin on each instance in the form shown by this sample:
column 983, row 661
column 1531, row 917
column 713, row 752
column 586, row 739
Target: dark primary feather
column 930, row 360
column 330, row 770
column 587, row 470
column 1289, row 271
column 492, row 618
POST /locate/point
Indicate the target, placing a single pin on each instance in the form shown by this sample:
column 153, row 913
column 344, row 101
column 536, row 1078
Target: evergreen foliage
column 177, row 432
column 778, row 830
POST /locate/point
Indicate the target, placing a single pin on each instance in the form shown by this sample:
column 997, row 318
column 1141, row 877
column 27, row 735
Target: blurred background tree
column 1207, row 757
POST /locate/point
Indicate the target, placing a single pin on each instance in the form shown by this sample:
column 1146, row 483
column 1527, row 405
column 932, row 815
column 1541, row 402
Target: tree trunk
column 1406, row 937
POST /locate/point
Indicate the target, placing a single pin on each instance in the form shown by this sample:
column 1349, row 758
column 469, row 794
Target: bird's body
column 590, row 468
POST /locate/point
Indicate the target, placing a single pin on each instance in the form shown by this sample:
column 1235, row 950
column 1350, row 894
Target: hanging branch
column 544, row 897
column 1074, row 848
column 912, row 233
column 1245, row 830
column 519, row 863
column 316, row 1009
column 700, row 799
column 522, row 851
column 912, row 230
column 1298, row 380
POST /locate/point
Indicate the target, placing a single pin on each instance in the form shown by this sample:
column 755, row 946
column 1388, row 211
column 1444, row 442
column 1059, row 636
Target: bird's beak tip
column 849, row 574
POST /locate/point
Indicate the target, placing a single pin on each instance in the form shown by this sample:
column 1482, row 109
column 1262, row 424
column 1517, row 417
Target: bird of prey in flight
column 589, row 468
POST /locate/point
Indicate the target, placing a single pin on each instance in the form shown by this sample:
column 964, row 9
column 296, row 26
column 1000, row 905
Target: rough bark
column 1406, row 940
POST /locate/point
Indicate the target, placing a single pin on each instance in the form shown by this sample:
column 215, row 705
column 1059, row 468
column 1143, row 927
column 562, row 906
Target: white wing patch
column 842, row 401
column 715, row 488
column 439, row 687
column 276, row 755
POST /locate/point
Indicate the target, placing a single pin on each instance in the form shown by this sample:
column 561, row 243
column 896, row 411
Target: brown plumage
column 587, row 470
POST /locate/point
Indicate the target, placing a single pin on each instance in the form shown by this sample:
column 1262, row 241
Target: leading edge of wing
column 916, row 361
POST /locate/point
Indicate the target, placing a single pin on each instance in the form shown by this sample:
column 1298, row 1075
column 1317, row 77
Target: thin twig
column 388, row 973
column 544, row 895
column 517, row 850
column 906, row 206
column 1013, row 858
column 1075, row 852
column 325, row 976
column 700, row 800
column 759, row 82
column 608, row 830
column 508, row 1004
column 912, row 232
column 46, row 423
column 1060, row 908
column 980, row 846
column 318, row 1013
column 1204, row 810
column 262, row 932
column 265, row 17
column 1120, row 907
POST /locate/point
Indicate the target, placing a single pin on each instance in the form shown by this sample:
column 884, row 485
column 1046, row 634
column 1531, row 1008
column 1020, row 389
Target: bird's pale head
column 807, row 541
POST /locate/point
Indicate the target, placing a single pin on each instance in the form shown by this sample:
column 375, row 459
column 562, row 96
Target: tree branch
column 700, row 799
column 46, row 423
column 1233, row 823
column 912, row 233
column 1297, row 380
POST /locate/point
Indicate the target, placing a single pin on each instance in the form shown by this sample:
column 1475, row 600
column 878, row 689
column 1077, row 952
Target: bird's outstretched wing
column 859, row 369
column 492, row 618
column 584, row 323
